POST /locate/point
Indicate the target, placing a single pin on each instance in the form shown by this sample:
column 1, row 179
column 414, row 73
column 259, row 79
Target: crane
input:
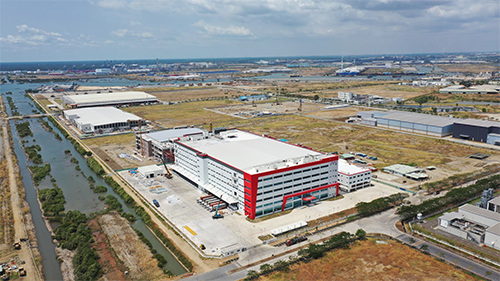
column 168, row 174
column 217, row 214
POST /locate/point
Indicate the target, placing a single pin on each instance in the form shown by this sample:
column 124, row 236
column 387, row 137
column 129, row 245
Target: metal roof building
column 116, row 98
column 417, row 123
column 477, row 130
column 480, row 89
column 258, row 174
column 101, row 119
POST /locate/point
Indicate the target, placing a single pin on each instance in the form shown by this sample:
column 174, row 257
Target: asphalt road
column 381, row 223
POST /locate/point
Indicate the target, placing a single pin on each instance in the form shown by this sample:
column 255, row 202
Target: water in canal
column 74, row 185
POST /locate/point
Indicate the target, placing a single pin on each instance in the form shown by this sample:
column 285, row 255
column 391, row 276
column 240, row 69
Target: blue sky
column 47, row 30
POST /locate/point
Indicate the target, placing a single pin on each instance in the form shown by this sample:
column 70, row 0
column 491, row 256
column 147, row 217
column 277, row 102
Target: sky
column 66, row 30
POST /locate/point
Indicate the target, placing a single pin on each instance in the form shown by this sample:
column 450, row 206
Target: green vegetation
column 48, row 128
column 23, row 129
column 453, row 197
column 161, row 259
column 95, row 166
column 100, row 189
column 113, row 203
column 73, row 234
column 379, row 204
column 67, row 152
column 52, row 202
column 39, row 173
column 32, row 152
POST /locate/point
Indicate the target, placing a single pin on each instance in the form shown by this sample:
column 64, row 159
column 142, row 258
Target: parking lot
column 178, row 204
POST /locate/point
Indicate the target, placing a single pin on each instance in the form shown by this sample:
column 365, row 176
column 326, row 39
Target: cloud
column 231, row 30
column 135, row 23
column 33, row 36
column 120, row 32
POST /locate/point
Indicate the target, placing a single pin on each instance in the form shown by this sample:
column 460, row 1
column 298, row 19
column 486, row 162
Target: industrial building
column 352, row 177
column 410, row 172
column 160, row 144
column 477, row 130
column 416, row 123
column 107, row 99
column 473, row 223
column 258, row 174
column 101, row 120
column 151, row 171
column 481, row 89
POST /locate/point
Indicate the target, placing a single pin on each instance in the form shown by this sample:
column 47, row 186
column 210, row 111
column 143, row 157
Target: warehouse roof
column 166, row 135
column 402, row 169
column 116, row 97
column 495, row 229
column 252, row 153
column 101, row 115
column 477, row 122
column 495, row 200
column 481, row 212
column 425, row 119
column 349, row 169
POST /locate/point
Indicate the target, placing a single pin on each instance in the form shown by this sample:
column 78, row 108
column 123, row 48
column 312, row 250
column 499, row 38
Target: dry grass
column 389, row 146
column 181, row 94
column 392, row 91
column 6, row 218
column 469, row 68
column 368, row 260
column 191, row 113
column 117, row 139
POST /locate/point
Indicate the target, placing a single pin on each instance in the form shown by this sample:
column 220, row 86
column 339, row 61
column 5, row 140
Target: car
column 13, row 267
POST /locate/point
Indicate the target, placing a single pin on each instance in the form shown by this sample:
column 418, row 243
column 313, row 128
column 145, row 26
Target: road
column 383, row 223
column 19, row 227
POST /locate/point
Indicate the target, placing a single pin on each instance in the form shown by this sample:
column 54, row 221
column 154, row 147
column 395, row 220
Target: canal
column 72, row 180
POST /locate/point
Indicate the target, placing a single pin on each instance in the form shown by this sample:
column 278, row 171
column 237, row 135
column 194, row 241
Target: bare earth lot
column 368, row 260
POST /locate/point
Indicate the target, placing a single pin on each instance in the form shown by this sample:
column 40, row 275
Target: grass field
column 190, row 113
column 368, row 260
column 117, row 139
column 470, row 68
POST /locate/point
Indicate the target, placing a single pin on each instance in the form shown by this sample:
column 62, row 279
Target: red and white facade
column 352, row 177
column 258, row 174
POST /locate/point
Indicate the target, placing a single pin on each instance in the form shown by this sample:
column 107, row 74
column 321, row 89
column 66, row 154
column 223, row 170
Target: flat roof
column 172, row 134
column 349, row 169
column 480, row 211
column 101, row 115
column 450, row 216
column 150, row 168
column 252, row 153
column 425, row 119
column 402, row 169
column 108, row 97
column 495, row 201
column 495, row 229
column 477, row 122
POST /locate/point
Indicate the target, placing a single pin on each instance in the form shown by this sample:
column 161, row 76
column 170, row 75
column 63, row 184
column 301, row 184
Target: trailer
column 295, row 240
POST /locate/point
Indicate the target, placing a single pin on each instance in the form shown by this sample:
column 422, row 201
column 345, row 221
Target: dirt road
column 19, row 227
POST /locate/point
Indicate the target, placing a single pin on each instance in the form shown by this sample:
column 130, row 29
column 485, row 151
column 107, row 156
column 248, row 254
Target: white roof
column 163, row 136
column 101, row 115
column 108, row 98
column 480, row 211
column 150, row 169
column 253, row 153
column 349, row 169
column 495, row 201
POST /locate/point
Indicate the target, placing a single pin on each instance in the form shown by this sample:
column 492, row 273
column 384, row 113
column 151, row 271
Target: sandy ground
column 129, row 248
column 249, row 110
column 19, row 227
column 67, row 269
column 111, row 152
column 392, row 91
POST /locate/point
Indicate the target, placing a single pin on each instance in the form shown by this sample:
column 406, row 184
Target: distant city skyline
column 81, row 30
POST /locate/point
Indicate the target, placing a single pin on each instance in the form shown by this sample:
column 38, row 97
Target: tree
column 282, row 266
column 361, row 234
column 265, row 268
column 316, row 97
column 424, row 247
column 252, row 274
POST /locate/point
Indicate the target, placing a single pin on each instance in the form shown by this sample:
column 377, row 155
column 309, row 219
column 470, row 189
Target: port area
column 178, row 204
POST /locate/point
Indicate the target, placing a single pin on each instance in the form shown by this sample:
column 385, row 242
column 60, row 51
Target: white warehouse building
column 352, row 177
column 107, row 99
column 256, row 173
column 100, row 120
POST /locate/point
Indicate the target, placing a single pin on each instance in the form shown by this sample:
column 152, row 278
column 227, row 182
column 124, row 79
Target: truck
column 156, row 203
column 22, row 272
column 295, row 240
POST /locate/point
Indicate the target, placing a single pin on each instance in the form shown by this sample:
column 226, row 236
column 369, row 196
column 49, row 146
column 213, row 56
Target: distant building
column 406, row 171
column 477, row 130
column 101, row 120
column 106, row 99
column 481, row 89
column 416, row 123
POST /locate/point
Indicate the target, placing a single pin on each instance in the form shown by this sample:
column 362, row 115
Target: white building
column 346, row 96
column 352, row 177
column 160, row 144
column 101, row 120
column 103, row 99
column 259, row 174
column 151, row 171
